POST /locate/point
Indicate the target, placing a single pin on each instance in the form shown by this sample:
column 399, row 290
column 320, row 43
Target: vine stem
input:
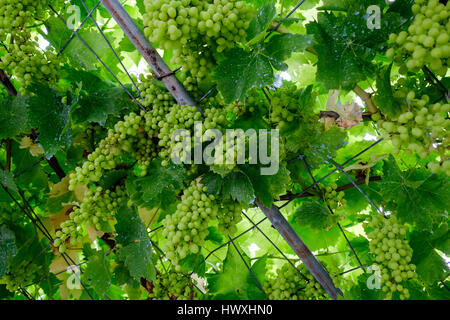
column 4, row 79
column 367, row 98
column 180, row 94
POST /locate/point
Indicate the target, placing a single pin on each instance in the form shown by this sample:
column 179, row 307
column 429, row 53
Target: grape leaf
column 237, row 185
column 419, row 197
column 260, row 22
column 159, row 188
column 8, row 248
column 25, row 163
column 316, row 215
column 13, row 117
column 280, row 47
column 111, row 178
column 346, row 46
column 234, row 281
column 7, row 181
column 384, row 98
column 213, row 182
column 52, row 122
column 97, row 271
column 430, row 265
column 112, row 100
column 136, row 247
column 241, row 70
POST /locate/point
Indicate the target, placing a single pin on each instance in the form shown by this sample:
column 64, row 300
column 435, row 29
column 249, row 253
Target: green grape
column 392, row 254
column 423, row 129
column 288, row 284
column 21, row 275
column 187, row 228
column 154, row 93
column 97, row 209
column 335, row 200
column 426, row 42
column 171, row 285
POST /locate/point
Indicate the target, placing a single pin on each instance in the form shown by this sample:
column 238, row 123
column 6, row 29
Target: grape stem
column 4, row 79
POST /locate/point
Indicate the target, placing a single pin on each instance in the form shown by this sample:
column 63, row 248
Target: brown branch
column 367, row 98
column 54, row 164
column 291, row 196
column 6, row 82
column 300, row 248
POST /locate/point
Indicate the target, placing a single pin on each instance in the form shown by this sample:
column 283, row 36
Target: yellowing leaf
column 35, row 149
column 350, row 114
column 148, row 217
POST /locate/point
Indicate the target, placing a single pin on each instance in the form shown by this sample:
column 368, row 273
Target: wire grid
column 338, row 167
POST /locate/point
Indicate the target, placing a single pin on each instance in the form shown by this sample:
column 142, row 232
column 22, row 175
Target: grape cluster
column 179, row 118
column 97, row 208
column 288, row 284
column 187, row 228
column 423, row 129
column 392, row 253
column 427, row 40
column 128, row 136
column 14, row 15
column 332, row 198
column 28, row 63
column 172, row 285
column 21, row 275
column 153, row 93
column 174, row 23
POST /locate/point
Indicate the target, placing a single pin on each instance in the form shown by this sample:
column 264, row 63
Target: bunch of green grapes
column 423, row 129
column 14, row 15
column 427, row 40
column 97, row 208
column 332, row 198
column 187, row 228
column 288, row 284
column 128, row 136
column 289, row 107
column 392, row 253
column 198, row 62
column 21, row 275
column 180, row 118
column 174, row 23
column 153, row 93
column 28, row 63
column 172, row 285
column 229, row 215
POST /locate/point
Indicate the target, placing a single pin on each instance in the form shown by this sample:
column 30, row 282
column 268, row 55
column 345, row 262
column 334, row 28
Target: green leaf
column 384, row 99
column 316, row 215
column 261, row 22
column 240, row 71
column 136, row 247
column 8, row 248
column 159, row 188
column 13, row 117
column 213, row 182
column 98, row 272
column 50, row 117
column 430, row 265
column 7, row 181
column 234, row 281
column 280, row 48
column 418, row 196
column 346, row 47
column 238, row 186
column 111, row 100
column 25, row 163
column 193, row 263
column 111, row 178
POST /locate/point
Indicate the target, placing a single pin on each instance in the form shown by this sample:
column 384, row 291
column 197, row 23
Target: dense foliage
column 93, row 205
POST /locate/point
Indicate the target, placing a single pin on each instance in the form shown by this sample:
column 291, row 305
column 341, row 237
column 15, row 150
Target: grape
column 288, row 284
column 423, row 129
column 427, row 38
column 187, row 228
column 20, row 275
column 392, row 254
column 335, row 200
column 97, row 208
column 171, row 285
